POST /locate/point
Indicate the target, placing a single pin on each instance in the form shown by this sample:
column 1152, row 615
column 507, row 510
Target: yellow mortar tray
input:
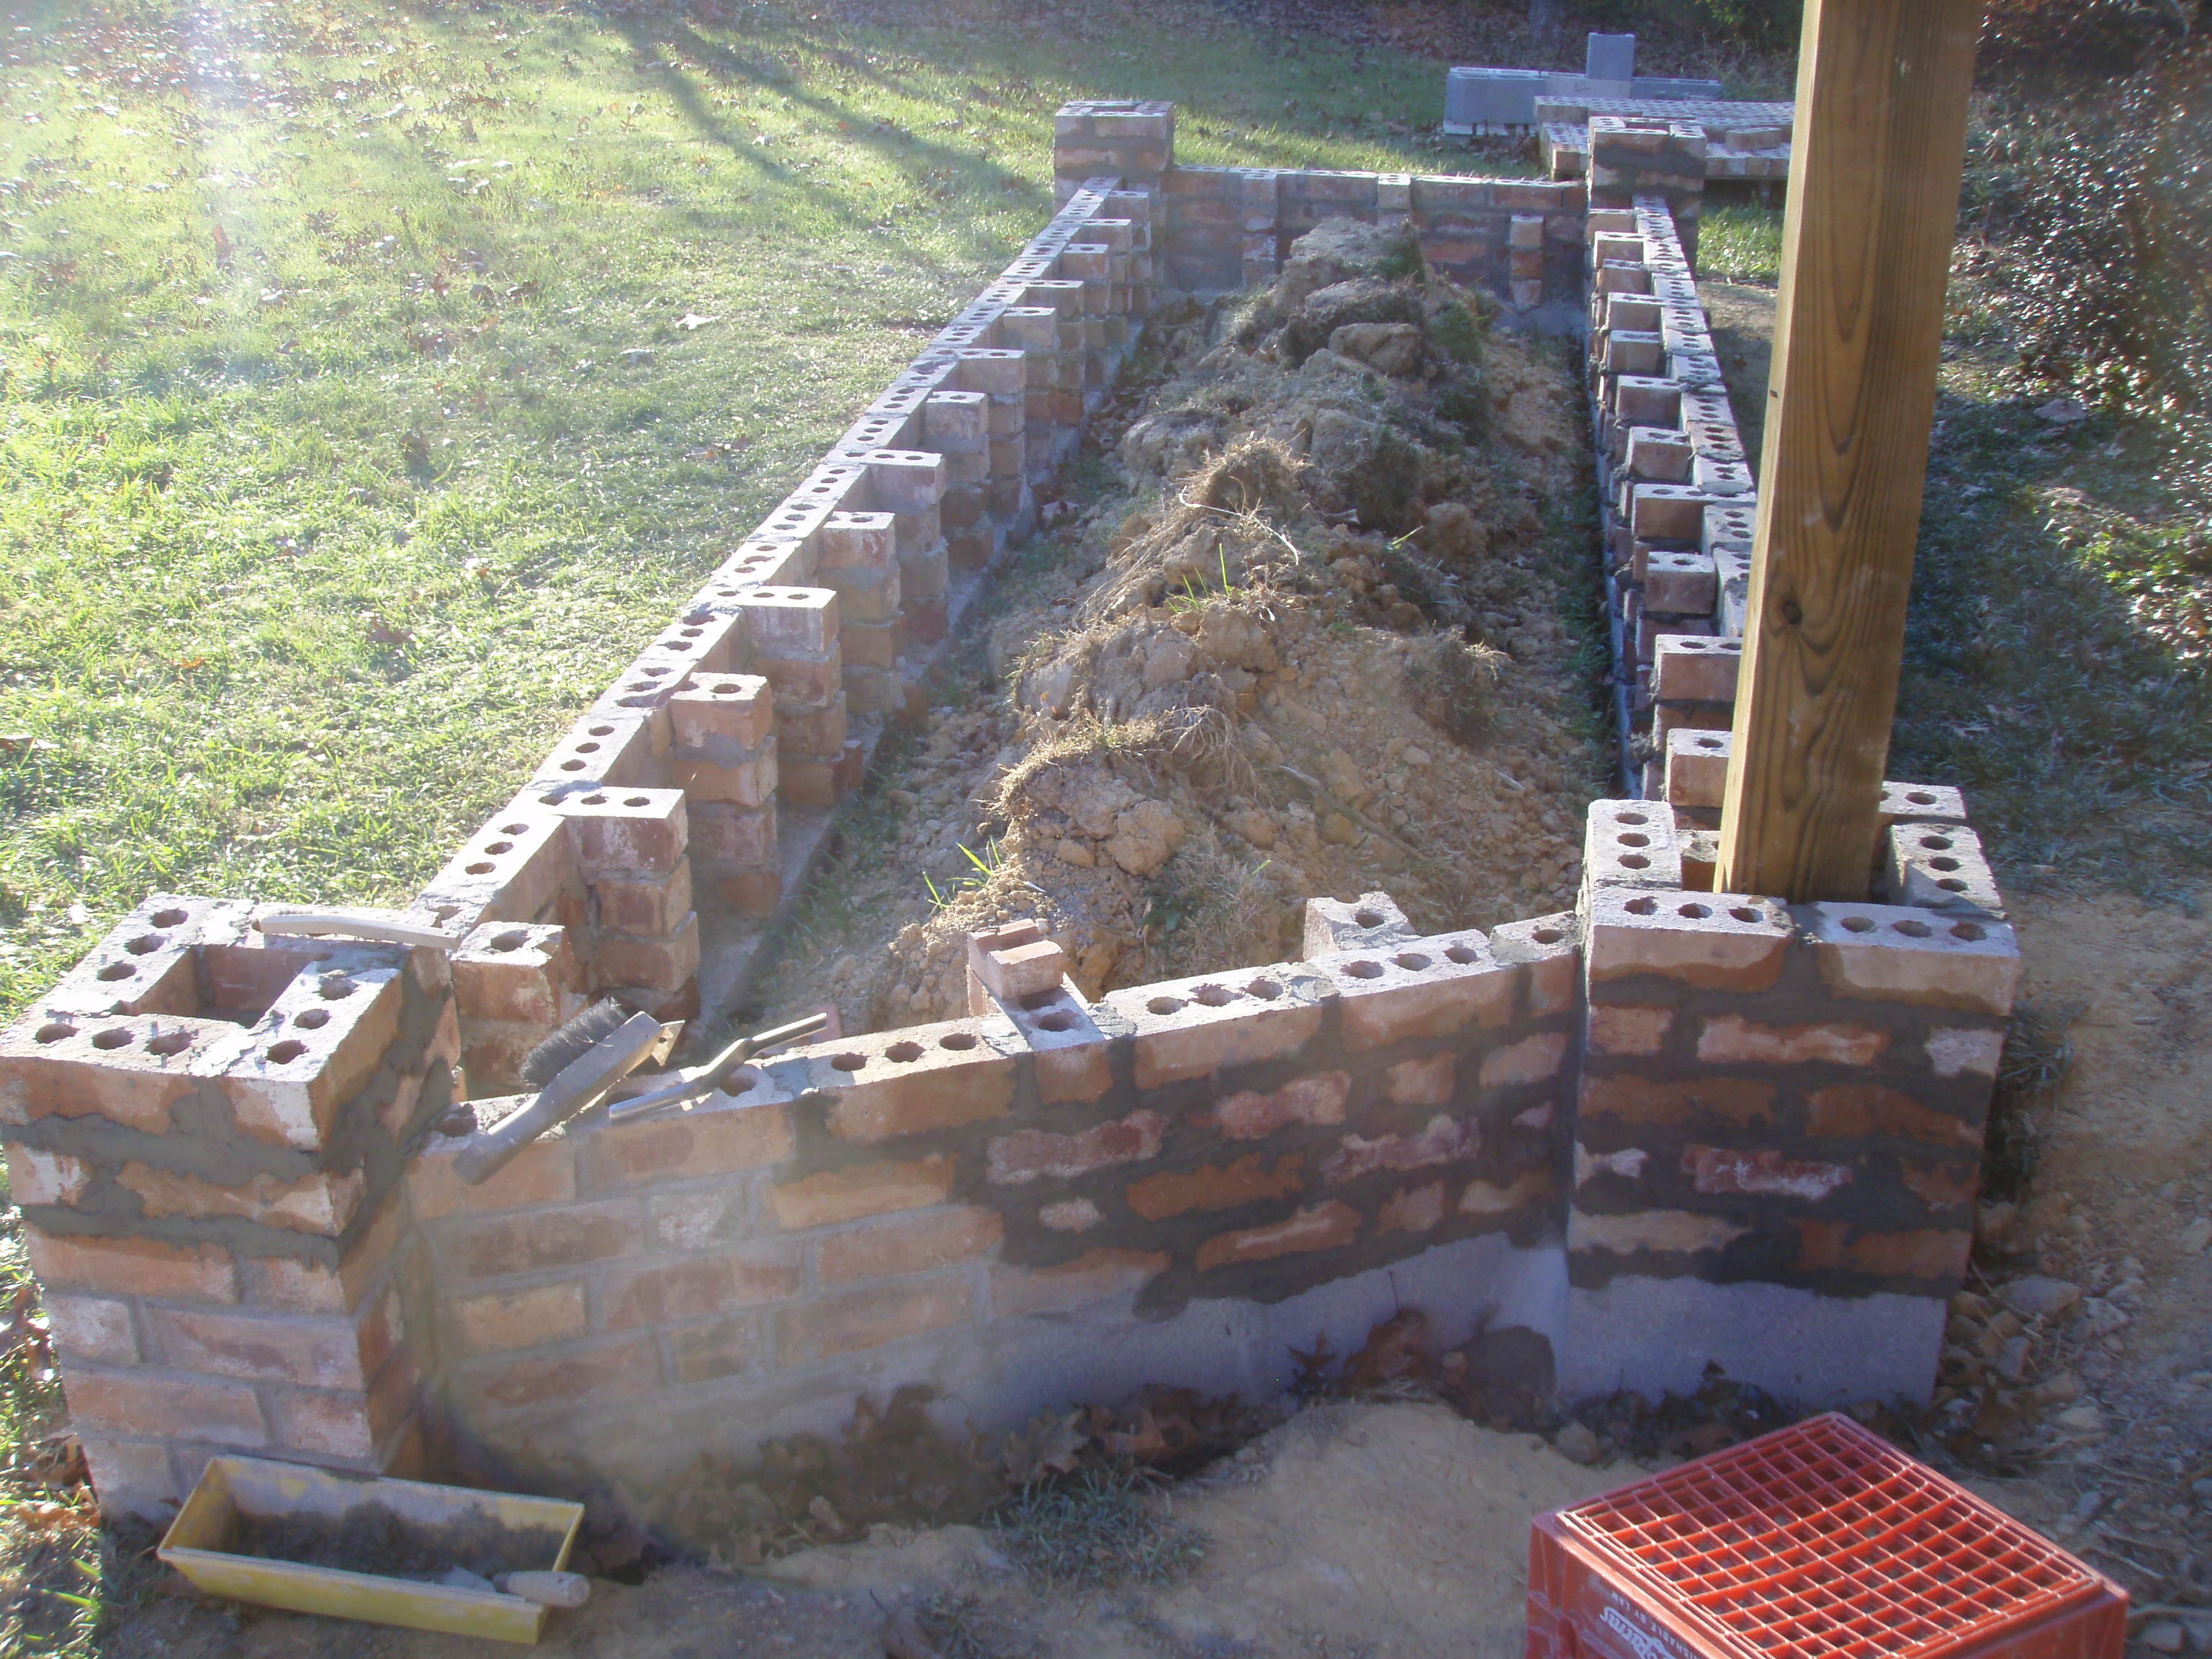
column 249, row 1486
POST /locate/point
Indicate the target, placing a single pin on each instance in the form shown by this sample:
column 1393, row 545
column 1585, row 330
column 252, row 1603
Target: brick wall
column 1673, row 1128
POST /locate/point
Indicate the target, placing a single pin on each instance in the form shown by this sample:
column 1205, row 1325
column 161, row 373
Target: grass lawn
column 374, row 379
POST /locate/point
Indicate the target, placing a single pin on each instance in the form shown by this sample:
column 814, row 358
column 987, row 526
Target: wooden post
column 1875, row 159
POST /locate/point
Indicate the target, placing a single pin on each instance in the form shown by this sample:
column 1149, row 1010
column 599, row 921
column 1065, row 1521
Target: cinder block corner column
column 1778, row 1134
column 1097, row 136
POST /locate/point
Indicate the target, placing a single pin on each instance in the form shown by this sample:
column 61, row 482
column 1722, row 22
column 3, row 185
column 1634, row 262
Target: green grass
column 355, row 419
column 1740, row 241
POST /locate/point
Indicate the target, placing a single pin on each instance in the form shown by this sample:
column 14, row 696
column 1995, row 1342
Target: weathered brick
column 1328, row 1226
column 1532, row 1059
column 131, row 1267
column 750, row 1136
column 543, row 1172
column 171, row 1407
column 1212, row 1187
column 1890, row 953
column 91, row 1328
column 695, row 1220
column 1628, row 1030
column 1662, row 1231
column 311, row 1353
column 35, row 1177
column 1731, row 1169
column 1941, row 1185
column 1444, row 1140
column 625, row 1370
column 663, row 963
column 319, row 1202
column 1485, row 1198
column 702, row 1354
column 1857, row 1110
column 861, row 1190
column 1426, row 988
column 660, row 1292
column 1316, row 1100
column 1745, row 1102
column 1922, row 1253
column 917, row 1244
column 288, row 1283
column 132, row 1477
column 1711, row 942
column 1071, row 1215
column 1730, row 1039
column 1426, row 1082
column 1094, row 1276
column 1412, row 1209
column 1957, row 1051
column 1029, row 1154
column 911, row 1081
column 1191, row 1028
column 528, row 1318
column 833, row 1325
column 494, row 1246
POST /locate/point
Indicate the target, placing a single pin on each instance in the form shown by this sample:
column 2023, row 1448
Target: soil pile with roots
column 1319, row 642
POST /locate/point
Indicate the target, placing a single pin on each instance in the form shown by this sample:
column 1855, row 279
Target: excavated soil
column 1326, row 626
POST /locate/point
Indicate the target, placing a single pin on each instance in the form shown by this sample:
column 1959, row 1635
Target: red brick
column 178, row 1407
column 643, row 829
column 287, row 1284
column 1629, row 1029
column 318, row 1203
column 1719, row 1170
column 829, row 1326
column 543, row 1172
column 1190, row 1028
column 498, row 1245
column 1325, row 1227
column 1925, row 1253
column 63, row 1069
column 860, row 1190
column 1942, row 1186
column 513, row 971
column 612, row 1372
column 1421, row 1082
column 131, row 1267
column 911, row 1081
column 1665, row 1232
column 1318, row 1099
column 665, row 1292
column 663, row 962
column 1739, row 1100
column 1028, row 1154
column 132, row 1477
column 1412, row 1209
column 915, row 1245
column 1420, row 988
column 1532, row 1059
column 702, row 1353
column 349, row 1425
column 1712, row 942
column 87, row 1328
column 653, row 906
column 698, row 1143
column 1210, row 1187
column 1858, row 1110
column 1094, row 1276
column 35, row 1177
column 1444, row 1140
column 316, row 1353
column 521, row 1319
column 1732, row 1040
column 1483, row 1198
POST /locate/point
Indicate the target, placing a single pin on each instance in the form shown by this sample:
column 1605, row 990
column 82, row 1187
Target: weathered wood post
column 1877, row 151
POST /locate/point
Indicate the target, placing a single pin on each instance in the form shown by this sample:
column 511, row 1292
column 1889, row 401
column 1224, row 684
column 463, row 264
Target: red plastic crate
column 1820, row 1541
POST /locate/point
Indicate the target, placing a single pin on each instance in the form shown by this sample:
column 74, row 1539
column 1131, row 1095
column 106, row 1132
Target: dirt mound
column 1320, row 643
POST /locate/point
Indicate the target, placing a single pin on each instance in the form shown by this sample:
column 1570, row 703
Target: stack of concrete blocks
column 1482, row 101
column 1780, row 1117
column 207, row 1131
column 1632, row 157
column 1679, row 503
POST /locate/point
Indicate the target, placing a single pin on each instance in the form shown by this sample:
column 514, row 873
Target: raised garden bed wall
column 1670, row 1127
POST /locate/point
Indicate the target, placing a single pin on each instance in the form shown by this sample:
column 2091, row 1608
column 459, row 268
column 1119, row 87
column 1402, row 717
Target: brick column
column 1779, row 1130
column 1111, row 137
column 205, row 1127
